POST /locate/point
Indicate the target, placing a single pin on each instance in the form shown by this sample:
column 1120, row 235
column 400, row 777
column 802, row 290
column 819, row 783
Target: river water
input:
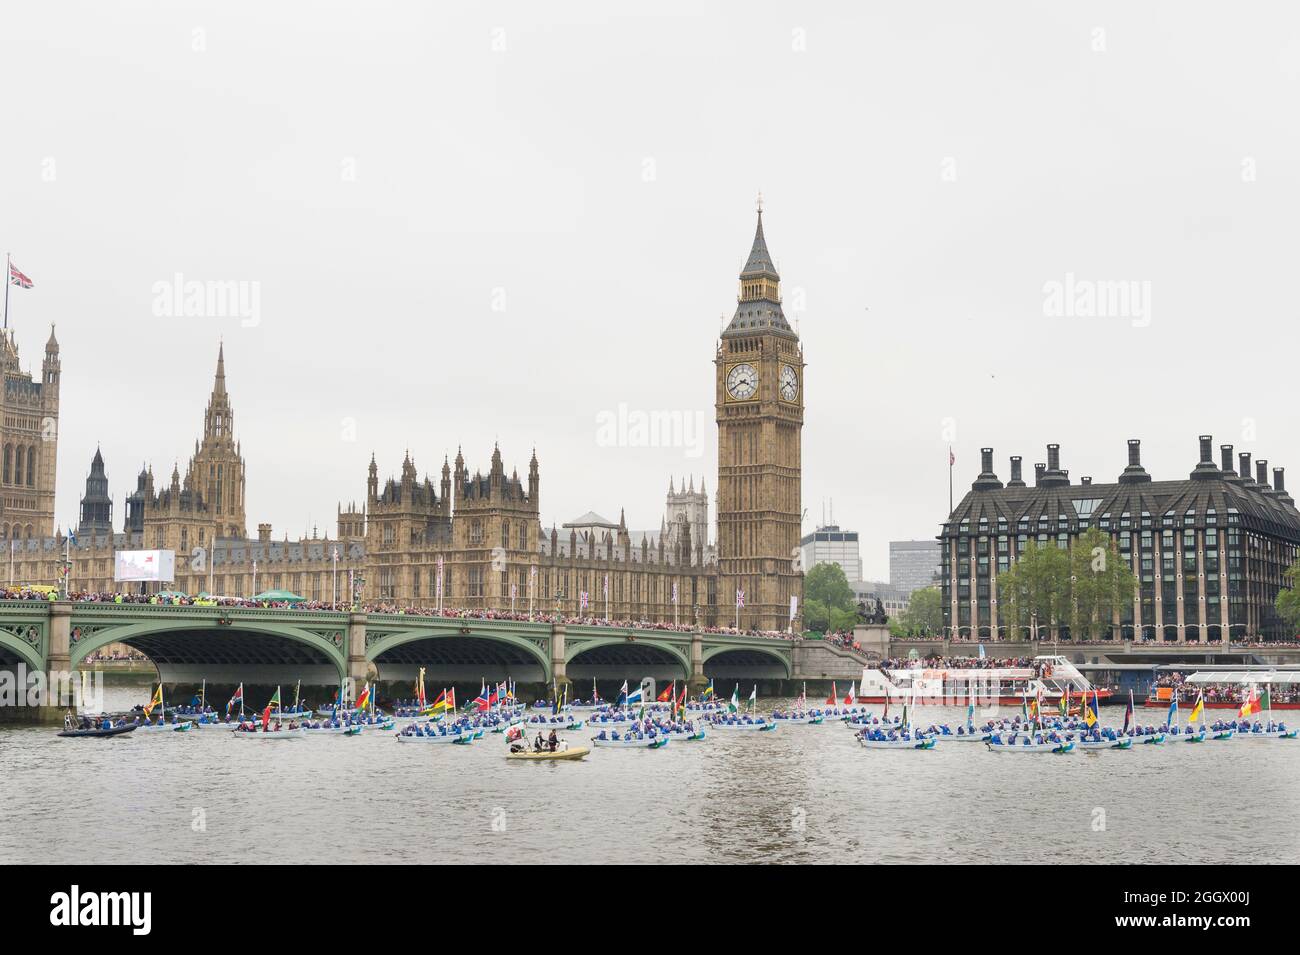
column 799, row 794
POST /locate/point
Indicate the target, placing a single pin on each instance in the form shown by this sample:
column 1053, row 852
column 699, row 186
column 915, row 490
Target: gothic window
column 523, row 536
column 9, row 453
column 18, row 465
column 31, row 467
column 476, row 531
column 505, row 535
column 389, row 535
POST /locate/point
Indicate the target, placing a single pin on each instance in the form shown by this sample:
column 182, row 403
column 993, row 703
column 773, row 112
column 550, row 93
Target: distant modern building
column 1209, row 551
column 831, row 545
column 914, row 564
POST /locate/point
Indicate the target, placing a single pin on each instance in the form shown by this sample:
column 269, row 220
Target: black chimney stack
column 1134, row 473
column 1225, row 452
column 1243, row 468
column 1086, row 479
column 1205, row 468
column 1054, row 476
column 1016, row 479
column 1279, row 486
column 1038, row 473
column 1261, row 474
column 987, row 480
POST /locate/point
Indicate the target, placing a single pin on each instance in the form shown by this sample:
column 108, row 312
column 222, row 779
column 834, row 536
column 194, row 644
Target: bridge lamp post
column 358, row 584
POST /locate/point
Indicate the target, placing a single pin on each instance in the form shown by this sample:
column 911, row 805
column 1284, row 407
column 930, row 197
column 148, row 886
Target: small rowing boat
column 99, row 733
column 577, row 752
column 454, row 739
column 898, row 743
column 630, row 742
column 1026, row 745
column 280, row 734
column 1088, row 745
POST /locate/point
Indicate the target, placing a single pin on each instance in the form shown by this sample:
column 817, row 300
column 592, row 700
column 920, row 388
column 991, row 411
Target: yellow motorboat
column 575, row 752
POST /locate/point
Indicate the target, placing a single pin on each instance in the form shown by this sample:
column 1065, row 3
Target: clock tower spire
column 759, row 403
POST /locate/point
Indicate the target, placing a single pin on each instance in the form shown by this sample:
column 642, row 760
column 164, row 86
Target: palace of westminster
column 471, row 540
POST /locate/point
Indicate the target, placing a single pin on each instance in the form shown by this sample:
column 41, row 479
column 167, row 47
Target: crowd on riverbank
column 1219, row 692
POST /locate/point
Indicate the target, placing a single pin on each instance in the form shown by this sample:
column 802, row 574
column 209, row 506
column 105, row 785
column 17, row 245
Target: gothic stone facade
column 484, row 529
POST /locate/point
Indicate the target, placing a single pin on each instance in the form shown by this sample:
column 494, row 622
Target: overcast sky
column 469, row 223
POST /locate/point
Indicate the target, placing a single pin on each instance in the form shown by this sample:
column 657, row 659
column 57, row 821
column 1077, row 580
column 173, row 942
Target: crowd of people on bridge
column 462, row 613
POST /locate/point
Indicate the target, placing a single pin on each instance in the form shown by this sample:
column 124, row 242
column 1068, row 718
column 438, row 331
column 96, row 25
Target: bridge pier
column 559, row 669
column 58, row 665
column 697, row 681
column 358, row 666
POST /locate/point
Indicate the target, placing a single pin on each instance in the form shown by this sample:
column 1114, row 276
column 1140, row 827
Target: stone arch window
column 31, row 467
column 19, row 460
column 9, row 456
column 505, row 535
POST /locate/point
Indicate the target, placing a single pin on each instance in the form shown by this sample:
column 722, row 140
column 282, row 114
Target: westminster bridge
column 269, row 646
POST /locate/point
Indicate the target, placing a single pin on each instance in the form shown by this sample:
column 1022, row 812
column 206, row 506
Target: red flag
column 665, row 696
column 834, row 698
column 266, row 717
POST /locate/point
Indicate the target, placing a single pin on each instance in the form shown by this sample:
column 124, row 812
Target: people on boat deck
column 553, row 741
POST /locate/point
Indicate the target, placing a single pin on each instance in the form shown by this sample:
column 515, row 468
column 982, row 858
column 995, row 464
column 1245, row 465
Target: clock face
column 742, row 382
column 789, row 383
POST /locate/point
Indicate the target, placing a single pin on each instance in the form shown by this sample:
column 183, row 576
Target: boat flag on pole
column 237, row 698
column 1198, row 711
column 734, row 705
column 1254, row 703
column 363, row 697
column 1128, row 713
column 156, row 700
column 834, row 698
column 753, row 697
column 1090, row 709
column 1172, row 716
column 708, row 691
column 849, row 699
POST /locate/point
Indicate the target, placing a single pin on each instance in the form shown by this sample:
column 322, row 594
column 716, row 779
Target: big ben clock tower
column 760, row 387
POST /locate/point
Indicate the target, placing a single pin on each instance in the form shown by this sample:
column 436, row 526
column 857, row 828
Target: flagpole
column 8, row 280
column 951, row 462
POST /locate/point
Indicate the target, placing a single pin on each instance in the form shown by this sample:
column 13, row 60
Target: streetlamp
column 358, row 585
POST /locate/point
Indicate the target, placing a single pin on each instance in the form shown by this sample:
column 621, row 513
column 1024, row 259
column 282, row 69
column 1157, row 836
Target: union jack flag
column 583, row 599
column 17, row 278
column 740, row 598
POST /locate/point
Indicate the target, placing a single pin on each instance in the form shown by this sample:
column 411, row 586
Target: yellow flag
column 1198, row 709
column 156, row 701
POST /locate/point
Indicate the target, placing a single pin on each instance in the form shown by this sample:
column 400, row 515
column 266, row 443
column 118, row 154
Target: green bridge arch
column 89, row 636
column 32, row 655
column 383, row 637
column 783, row 657
column 577, row 644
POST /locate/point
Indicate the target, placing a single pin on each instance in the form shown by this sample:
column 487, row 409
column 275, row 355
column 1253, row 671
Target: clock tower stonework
column 759, row 370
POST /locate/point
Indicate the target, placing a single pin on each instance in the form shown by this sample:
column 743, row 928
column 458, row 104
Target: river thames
column 799, row 794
